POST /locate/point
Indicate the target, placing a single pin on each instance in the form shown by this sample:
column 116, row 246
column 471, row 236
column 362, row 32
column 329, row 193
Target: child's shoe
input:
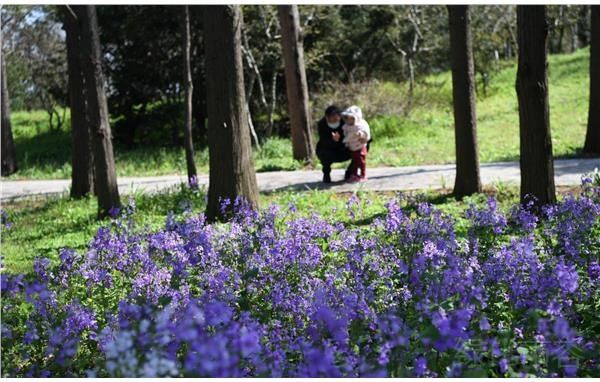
column 354, row 179
column 363, row 179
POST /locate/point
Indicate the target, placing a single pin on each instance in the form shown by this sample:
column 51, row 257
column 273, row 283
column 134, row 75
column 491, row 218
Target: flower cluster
column 273, row 293
column 5, row 222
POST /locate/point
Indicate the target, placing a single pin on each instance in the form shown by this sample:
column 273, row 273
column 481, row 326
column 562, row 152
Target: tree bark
column 273, row 103
column 82, row 165
column 537, row 166
column 467, row 179
column 592, row 137
column 9, row 153
column 582, row 24
column 188, row 90
column 296, row 84
column 232, row 172
column 97, row 109
column 561, row 28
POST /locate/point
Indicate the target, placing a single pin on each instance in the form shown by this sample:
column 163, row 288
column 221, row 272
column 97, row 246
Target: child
column 356, row 136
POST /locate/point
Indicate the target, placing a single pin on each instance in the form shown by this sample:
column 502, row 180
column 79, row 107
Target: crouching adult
column 330, row 148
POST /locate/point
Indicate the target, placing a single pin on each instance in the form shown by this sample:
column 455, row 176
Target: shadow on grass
column 275, row 167
column 47, row 149
column 439, row 198
column 366, row 220
column 577, row 153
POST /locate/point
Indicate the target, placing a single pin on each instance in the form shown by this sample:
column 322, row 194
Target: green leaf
column 251, row 274
column 475, row 373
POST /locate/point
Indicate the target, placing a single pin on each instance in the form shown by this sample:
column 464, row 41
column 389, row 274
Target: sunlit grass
column 42, row 227
column 424, row 136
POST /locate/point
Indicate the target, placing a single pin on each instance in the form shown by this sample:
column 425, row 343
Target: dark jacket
column 326, row 142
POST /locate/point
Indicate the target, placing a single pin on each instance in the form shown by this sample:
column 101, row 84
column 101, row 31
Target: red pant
column 359, row 161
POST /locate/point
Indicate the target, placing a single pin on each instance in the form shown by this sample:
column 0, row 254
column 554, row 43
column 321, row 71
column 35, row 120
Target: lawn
column 49, row 225
column 424, row 136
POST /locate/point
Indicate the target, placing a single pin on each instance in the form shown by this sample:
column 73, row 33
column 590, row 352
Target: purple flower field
column 273, row 293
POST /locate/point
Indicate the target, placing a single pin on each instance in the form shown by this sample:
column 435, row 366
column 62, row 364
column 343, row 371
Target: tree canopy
column 143, row 57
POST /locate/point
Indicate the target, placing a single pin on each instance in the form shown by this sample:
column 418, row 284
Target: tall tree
column 9, row 154
column 592, row 137
column 97, row 110
column 537, row 166
column 35, row 53
column 82, row 165
column 295, row 82
column 188, row 90
column 230, row 154
column 467, row 179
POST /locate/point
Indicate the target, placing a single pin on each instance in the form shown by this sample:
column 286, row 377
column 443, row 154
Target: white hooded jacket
column 356, row 135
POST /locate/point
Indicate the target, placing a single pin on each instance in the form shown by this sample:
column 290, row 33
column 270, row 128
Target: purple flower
column 249, row 342
column 570, row 370
column 420, row 367
column 488, row 217
column 4, row 220
column 484, row 324
column 319, row 362
column 113, row 212
column 193, row 182
column 562, row 329
column 503, row 365
column 567, row 277
column 275, row 293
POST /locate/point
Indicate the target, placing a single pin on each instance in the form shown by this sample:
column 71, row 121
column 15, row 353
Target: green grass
column 42, row 227
column 424, row 136
column 42, row 154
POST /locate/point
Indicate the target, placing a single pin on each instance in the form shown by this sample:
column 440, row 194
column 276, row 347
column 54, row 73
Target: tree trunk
column 232, row 172
column 199, row 108
column 411, row 77
column 592, row 137
column 537, row 167
column 561, row 28
column 82, row 173
column 97, row 109
column 9, row 153
column 188, row 90
column 582, row 25
column 467, row 180
column 574, row 39
column 295, row 82
column 273, row 103
column 252, row 129
column 248, row 93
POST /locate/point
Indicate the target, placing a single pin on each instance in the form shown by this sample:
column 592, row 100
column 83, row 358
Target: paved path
column 567, row 172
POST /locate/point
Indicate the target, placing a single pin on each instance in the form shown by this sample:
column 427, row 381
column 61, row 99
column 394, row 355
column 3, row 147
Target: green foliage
column 35, row 54
column 276, row 155
column 423, row 134
column 426, row 134
column 483, row 288
column 48, row 225
column 51, row 224
column 343, row 44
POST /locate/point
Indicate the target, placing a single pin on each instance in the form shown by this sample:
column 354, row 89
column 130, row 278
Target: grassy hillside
column 426, row 136
column 423, row 136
